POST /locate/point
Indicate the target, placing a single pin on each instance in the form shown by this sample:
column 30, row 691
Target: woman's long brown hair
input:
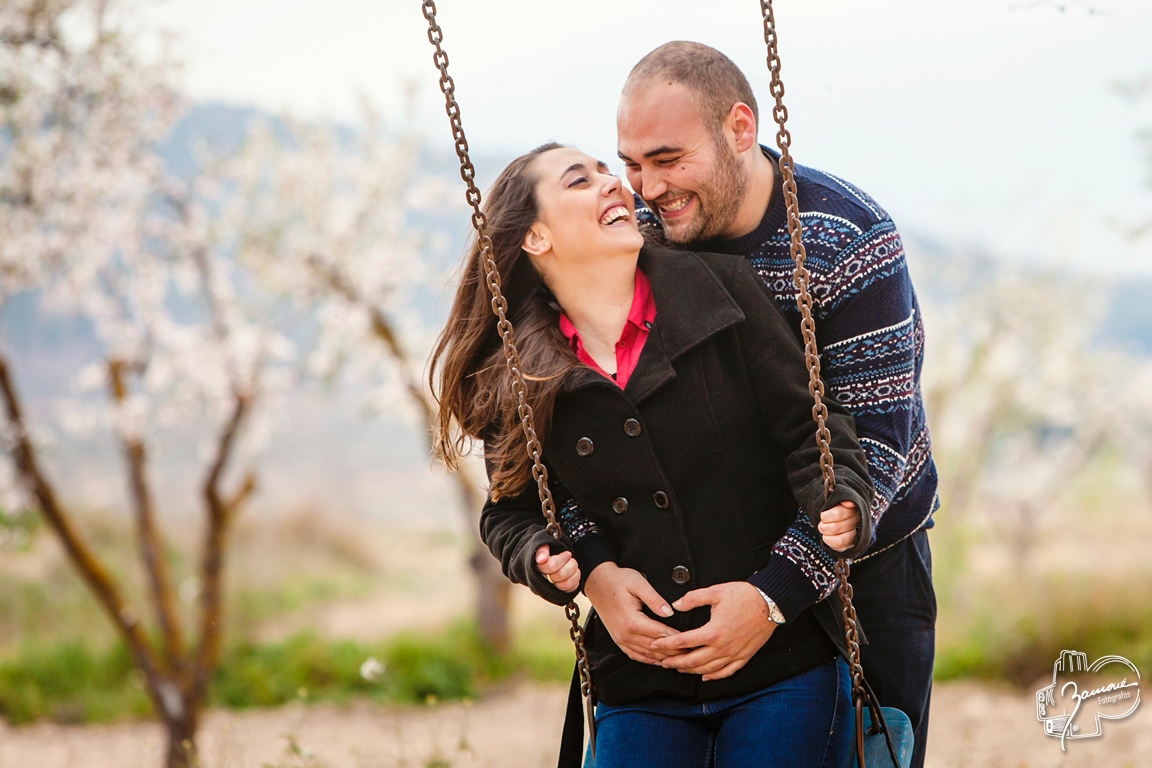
column 474, row 387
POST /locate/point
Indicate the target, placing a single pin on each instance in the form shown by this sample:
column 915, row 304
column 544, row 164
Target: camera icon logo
column 1083, row 695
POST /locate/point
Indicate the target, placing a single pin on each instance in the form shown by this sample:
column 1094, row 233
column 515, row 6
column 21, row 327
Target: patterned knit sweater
column 871, row 339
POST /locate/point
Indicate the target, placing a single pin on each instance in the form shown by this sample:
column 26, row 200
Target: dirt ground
column 972, row 725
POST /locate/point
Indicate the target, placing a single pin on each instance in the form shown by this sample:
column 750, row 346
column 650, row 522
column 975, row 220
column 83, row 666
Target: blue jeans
column 804, row 720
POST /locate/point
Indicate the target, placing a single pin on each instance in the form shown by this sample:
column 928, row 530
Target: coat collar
column 691, row 306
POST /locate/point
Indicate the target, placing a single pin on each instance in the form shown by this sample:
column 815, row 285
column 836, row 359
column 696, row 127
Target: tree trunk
column 182, row 751
column 493, row 591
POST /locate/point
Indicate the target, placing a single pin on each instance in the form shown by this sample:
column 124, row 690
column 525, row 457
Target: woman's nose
column 612, row 185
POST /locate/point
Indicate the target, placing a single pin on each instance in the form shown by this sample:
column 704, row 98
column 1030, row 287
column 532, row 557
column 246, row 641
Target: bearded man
column 687, row 134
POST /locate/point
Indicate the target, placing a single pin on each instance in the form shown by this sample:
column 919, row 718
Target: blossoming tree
column 1022, row 394
column 92, row 226
column 323, row 218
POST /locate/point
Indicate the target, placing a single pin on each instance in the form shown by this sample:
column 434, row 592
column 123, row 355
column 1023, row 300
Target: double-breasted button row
column 632, row 428
column 584, row 446
column 620, row 504
column 680, row 575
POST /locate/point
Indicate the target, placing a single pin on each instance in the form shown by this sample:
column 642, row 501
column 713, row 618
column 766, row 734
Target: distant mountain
column 216, row 128
column 1129, row 318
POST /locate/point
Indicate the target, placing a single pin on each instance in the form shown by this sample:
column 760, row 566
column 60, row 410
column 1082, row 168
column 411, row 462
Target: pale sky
column 989, row 123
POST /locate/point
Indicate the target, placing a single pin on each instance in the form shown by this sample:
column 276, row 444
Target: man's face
column 692, row 178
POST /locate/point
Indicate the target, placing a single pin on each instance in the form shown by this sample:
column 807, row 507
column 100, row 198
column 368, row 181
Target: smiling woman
column 585, row 234
column 671, row 400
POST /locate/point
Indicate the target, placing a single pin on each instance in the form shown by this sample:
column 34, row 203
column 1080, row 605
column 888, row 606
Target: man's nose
column 652, row 182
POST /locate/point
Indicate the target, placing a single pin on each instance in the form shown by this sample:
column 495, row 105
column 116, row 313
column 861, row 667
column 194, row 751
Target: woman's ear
column 537, row 241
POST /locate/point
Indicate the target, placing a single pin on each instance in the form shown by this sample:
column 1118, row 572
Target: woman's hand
column 618, row 595
column 838, row 526
column 737, row 627
column 562, row 569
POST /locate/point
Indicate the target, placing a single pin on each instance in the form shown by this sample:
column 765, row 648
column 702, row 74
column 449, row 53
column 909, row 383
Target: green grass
column 1016, row 635
column 72, row 682
column 249, row 608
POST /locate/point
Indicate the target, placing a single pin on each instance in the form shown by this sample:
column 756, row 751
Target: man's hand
column 562, row 569
column 738, row 627
column 838, row 525
column 618, row 594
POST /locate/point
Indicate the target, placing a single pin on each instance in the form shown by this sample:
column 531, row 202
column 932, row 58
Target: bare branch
column 220, row 515
column 382, row 328
column 241, row 494
column 123, row 615
column 151, row 542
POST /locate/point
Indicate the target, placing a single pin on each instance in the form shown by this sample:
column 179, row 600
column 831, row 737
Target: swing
column 872, row 720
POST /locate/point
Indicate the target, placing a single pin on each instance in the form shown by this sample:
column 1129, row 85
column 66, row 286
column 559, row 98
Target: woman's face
column 583, row 209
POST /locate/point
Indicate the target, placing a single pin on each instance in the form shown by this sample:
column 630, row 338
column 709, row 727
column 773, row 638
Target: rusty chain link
column 504, row 327
column 802, row 279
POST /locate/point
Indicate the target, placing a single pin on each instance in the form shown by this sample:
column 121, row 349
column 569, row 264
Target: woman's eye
column 577, row 180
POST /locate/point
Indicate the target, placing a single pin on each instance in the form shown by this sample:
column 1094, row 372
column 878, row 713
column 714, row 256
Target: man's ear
column 742, row 125
column 537, row 241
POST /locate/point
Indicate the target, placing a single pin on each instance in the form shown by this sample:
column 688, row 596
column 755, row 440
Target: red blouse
column 632, row 338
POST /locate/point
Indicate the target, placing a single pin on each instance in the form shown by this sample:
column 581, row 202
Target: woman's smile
column 615, row 212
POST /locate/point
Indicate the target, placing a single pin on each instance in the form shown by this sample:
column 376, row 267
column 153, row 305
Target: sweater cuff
column 784, row 582
column 590, row 551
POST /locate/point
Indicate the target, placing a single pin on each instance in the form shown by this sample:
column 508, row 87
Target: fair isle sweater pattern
column 871, row 338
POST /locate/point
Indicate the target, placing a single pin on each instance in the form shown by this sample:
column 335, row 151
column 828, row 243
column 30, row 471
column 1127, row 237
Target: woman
column 671, row 399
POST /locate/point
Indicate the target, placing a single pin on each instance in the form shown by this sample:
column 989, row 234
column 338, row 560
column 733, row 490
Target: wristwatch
column 774, row 611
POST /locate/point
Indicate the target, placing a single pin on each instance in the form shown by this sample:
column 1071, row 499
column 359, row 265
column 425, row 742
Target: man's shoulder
column 823, row 195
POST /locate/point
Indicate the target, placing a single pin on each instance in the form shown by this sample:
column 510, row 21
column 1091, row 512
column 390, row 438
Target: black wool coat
column 693, row 471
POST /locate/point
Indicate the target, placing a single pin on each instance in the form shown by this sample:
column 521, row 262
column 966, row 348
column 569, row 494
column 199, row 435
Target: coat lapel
column 691, row 306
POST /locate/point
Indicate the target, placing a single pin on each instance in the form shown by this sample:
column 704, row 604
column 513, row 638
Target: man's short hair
column 717, row 82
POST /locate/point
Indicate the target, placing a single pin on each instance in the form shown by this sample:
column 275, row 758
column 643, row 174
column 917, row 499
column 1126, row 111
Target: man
column 687, row 133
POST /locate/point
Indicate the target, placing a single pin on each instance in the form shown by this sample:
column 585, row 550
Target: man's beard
column 718, row 200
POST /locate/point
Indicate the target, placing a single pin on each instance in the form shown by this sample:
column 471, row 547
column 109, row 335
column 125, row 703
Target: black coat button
column 632, row 428
column 584, row 447
column 660, row 499
column 620, row 506
column 680, row 575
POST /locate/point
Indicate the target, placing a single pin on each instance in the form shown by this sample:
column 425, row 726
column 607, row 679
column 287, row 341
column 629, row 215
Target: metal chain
column 808, row 330
column 504, row 327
